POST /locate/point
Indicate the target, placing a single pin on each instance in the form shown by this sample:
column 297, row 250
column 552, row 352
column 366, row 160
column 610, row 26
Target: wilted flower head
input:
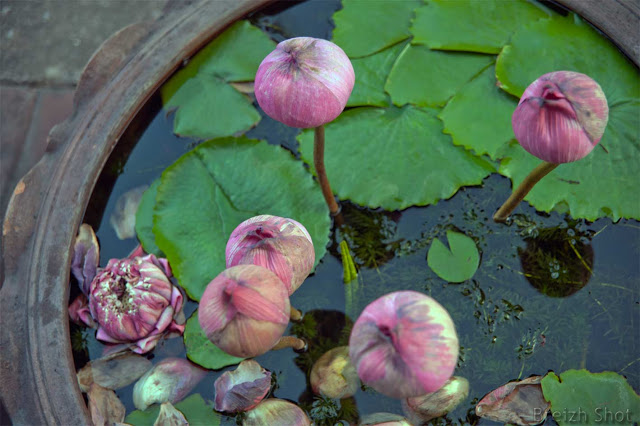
column 333, row 375
column 245, row 310
column 275, row 411
column 243, row 388
column 404, row 344
column 281, row 245
column 561, row 116
column 133, row 301
column 305, row 82
column 421, row 409
column 170, row 380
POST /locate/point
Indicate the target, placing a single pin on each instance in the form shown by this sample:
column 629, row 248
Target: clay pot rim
column 49, row 202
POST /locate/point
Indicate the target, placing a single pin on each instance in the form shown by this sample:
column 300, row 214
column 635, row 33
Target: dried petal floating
column 113, row 371
column 243, row 388
column 519, row 403
column 274, row 411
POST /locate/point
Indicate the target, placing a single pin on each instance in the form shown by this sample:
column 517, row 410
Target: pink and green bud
column 275, row 411
column 421, row 409
column 305, row 82
column 86, row 256
column 245, row 310
column 333, row 375
column 133, row 301
column 404, row 344
column 281, row 245
column 561, row 117
column 170, row 380
column 242, row 389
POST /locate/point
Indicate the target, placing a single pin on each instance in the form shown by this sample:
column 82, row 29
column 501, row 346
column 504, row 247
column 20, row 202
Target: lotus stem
column 318, row 163
column 295, row 315
column 522, row 190
column 297, row 344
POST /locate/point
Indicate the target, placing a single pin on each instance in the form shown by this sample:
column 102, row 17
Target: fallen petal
column 275, row 411
column 105, row 406
column 114, row 371
column 123, row 218
column 86, row 255
column 243, row 388
column 170, row 416
column 384, row 419
column 519, row 403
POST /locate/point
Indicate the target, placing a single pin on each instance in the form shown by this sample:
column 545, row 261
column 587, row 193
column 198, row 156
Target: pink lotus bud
column 561, row 117
column 421, row 409
column 169, row 380
column 275, row 411
column 245, row 310
column 404, row 344
column 86, row 255
column 133, row 301
column 333, row 375
column 281, row 245
column 305, row 82
column 242, row 389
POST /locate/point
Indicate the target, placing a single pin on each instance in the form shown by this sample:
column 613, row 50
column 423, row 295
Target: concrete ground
column 44, row 45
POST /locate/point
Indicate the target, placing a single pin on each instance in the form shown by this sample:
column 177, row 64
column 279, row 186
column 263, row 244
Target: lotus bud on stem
column 297, row 344
column 560, row 118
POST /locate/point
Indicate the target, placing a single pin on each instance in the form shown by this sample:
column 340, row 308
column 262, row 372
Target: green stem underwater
column 318, row 163
column 522, row 190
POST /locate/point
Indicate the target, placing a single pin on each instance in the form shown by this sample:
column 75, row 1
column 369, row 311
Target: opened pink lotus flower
column 170, row 380
column 404, row 344
column 305, row 82
column 133, row 301
column 245, row 310
column 275, row 411
column 281, row 245
column 561, row 117
column 242, row 389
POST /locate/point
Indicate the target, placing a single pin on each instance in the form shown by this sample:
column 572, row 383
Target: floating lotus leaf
column 425, row 77
column 209, row 191
column 393, row 158
column 200, row 349
column 471, row 25
column 364, row 27
column 144, row 220
column 194, row 408
column 457, row 263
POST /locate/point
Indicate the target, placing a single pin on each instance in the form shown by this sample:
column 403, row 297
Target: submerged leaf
column 457, row 264
column 393, row 158
column 594, row 398
column 520, row 403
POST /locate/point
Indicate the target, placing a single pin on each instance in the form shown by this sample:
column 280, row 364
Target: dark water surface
column 534, row 305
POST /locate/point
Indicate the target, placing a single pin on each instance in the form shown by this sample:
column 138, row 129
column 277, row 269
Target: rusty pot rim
column 49, row 202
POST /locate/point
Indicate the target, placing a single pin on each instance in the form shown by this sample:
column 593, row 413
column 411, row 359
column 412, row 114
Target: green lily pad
column 393, row 158
column 425, row 77
column 364, row 27
column 209, row 191
column 471, row 25
column 144, row 220
column 371, row 74
column 200, row 349
column 602, row 183
column 486, row 129
column 458, row 264
column 597, row 398
column 207, row 106
column 194, row 409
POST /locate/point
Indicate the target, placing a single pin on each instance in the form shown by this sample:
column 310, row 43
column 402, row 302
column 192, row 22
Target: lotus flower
column 333, row 375
column 170, row 380
column 243, row 388
column 133, row 301
column 560, row 118
column 421, row 409
column 245, row 310
column 281, row 245
column 306, row 82
column 275, row 411
column 404, row 344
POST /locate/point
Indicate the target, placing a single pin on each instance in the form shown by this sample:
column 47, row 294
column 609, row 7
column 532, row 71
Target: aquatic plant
column 404, row 344
column 560, row 118
column 243, row 388
column 306, row 82
column 170, row 380
column 245, row 310
column 281, row 245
